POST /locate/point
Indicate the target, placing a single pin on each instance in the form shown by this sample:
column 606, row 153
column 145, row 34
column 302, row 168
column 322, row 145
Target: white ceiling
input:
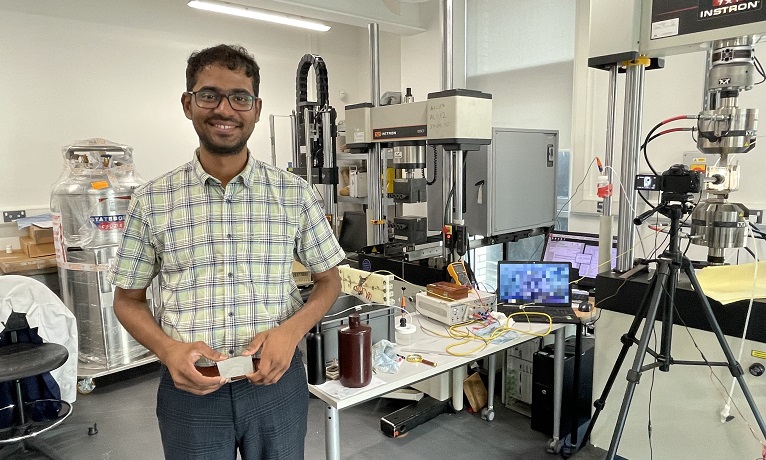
column 404, row 17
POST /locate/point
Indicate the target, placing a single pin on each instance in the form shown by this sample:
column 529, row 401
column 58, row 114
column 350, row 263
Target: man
column 221, row 232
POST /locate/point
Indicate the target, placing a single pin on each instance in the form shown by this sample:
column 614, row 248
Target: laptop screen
column 538, row 283
column 581, row 250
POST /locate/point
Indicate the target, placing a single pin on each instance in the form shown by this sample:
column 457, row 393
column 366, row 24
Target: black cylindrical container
column 355, row 353
column 315, row 356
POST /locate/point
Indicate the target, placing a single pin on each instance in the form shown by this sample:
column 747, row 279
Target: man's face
column 222, row 130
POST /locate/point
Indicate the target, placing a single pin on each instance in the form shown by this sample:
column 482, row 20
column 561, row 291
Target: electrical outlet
column 12, row 216
column 756, row 216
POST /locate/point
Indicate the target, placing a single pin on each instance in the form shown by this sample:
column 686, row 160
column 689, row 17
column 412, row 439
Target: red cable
column 679, row 117
column 672, row 130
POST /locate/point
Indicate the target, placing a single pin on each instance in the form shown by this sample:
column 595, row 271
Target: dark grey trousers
column 261, row 421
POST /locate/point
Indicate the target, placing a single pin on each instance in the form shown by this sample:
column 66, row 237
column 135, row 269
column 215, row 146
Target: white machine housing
column 661, row 28
column 452, row 312
column 456, row 116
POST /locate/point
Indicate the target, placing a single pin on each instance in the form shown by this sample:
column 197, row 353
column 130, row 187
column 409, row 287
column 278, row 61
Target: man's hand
column 277, row 347
column 180, row 358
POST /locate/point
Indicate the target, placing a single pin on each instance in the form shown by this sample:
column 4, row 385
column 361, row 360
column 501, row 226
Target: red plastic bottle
column 355, row 353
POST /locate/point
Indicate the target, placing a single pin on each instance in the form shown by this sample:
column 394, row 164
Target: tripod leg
column 627, row 341
column 634, row 374
column 734, row 367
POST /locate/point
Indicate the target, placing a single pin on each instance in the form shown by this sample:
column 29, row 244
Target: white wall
column 116, row 70
column 521, row 52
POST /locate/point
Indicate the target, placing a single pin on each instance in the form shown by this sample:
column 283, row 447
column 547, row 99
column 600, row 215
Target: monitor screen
column 579, row 249
column 538, row 283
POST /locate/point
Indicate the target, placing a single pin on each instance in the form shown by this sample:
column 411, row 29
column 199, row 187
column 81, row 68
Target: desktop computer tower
column 542, row 389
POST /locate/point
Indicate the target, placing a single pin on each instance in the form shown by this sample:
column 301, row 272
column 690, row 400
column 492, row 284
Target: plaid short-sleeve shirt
column 223, row 255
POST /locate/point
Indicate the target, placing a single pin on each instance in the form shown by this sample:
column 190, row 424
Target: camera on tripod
column 676, row 184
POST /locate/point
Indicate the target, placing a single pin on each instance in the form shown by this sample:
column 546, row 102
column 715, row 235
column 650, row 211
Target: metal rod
column 606, row 221
column 447, row 56
column 448, row 157
column 294, row 138
column 307, row 144
column 705, row 91
column 375, row 161
column 332, row 432
column 609, row 148
column 634, row 95
column 272, row 136
column 559, row 350
column 331, row 193
column 374, row 63
column 457, row 215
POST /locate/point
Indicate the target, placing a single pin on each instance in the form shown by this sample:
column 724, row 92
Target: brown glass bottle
column 355, row 353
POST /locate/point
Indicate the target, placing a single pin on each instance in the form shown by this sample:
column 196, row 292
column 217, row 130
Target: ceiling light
column 254, row 13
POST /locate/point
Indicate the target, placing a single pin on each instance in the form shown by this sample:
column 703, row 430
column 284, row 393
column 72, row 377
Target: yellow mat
column 730, row 283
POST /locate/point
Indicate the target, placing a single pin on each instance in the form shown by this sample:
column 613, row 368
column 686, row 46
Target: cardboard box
column 18, row 263
column 301, row 274
column 32, row 249
column 40, row 235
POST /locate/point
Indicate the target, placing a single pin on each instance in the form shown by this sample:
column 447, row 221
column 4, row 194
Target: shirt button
column 231, row 352
column 231, row 313
column 231, row 275
column 228, row 200
column 228, row 235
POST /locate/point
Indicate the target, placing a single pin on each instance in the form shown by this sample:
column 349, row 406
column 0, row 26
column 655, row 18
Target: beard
column 223, row 145
column 222, row 149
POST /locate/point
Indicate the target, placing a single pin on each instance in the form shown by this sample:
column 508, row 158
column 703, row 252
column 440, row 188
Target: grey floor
column 123, row 409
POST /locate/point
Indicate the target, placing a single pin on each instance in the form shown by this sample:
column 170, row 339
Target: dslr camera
column 677, row 183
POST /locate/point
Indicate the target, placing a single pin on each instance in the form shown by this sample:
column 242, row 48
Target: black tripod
column 659, row 296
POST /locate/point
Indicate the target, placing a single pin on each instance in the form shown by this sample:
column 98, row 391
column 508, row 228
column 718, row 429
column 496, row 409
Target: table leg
column 488, row 414
column 558, row 388
column 458, row 375
column 331, row 433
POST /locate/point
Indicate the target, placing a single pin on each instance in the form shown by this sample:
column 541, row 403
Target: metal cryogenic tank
column 89, row 203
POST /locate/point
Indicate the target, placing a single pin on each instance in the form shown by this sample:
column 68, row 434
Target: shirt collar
column 246, row 176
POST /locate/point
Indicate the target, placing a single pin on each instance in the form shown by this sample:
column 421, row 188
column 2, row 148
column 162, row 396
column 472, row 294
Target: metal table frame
column 410, row 373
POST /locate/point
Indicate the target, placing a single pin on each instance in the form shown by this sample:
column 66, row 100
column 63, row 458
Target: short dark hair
column 231, row 56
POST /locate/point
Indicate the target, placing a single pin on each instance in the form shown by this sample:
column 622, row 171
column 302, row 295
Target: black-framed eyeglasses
column 208, row 99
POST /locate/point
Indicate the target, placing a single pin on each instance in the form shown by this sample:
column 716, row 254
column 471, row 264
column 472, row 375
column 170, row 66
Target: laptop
column 581, row 249
column 542, row 287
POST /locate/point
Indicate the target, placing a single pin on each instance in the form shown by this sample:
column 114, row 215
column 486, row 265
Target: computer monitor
column 534, row 283
column 353, row 231
column 581, row 250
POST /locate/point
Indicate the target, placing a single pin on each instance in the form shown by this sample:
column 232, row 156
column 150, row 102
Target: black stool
column 18, row 361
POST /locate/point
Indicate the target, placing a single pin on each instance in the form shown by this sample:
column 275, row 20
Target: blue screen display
column 539, row 283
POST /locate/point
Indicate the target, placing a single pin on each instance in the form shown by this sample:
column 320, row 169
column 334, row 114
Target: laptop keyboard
column 556, row 313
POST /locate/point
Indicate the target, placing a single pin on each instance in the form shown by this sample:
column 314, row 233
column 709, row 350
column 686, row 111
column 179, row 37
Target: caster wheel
column 487, row 414
column 86, row 386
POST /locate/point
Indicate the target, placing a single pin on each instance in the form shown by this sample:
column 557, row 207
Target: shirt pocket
column 269, row 246
column 187, row 254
